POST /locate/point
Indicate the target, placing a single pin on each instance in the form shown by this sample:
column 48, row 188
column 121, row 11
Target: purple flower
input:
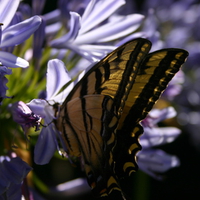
column 30, row 114
column 77, row 6
column 175, row 86
column 14, row 35
column 24, row 116
column 70, row 188
column 7, row 11
column 53, row 23
column 3, row 80
column 12, row 172
column 57, row 77
column 89, row 33
column 38, row 42
column 188, row 104
column 38, row 6
column 11, row 36
column 150, row 30
column 47, row 141
column 155, row 161
column 25, row 10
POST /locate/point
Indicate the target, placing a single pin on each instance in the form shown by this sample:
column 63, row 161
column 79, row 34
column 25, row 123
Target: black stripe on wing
column 164, row 70
column 130, row 72
column 128, row 82
column 158, row 69
column 103, row 77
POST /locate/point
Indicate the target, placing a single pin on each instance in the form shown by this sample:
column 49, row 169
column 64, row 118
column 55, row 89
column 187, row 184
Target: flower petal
column 4, row 183
column 77, row 186
column 93, row 53
column 158, row 115
column 24, row 116
column 38, row 107
column 135, row 35
column 38, row 6
column 71, row 35
column 16, row 169
column 0, row 32
column 158, row 136
column 115, row 29
column 10, row 60
column 7, row 10
column 156, row 161
column 20, row 32
column 57, row 77
column 46, row 145
column 38, row 40
column 75, row 25
column 98, row 11
column 14, row 192
column 3, row 80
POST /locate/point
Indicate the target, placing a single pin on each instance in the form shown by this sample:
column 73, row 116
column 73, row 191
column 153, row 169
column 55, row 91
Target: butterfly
column 100, row 118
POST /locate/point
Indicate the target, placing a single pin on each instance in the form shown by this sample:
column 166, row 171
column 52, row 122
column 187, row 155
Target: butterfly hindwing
column 157, row 69
column 99, row 119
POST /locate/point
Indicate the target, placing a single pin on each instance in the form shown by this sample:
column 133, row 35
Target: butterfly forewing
column 99, row 120
column 111, row 75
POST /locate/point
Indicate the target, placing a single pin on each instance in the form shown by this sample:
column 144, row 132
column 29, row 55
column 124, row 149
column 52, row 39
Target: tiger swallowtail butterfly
column 99, row 120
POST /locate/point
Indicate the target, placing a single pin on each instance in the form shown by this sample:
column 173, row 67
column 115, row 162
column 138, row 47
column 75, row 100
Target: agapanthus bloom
column 3, row 80
column 14, row 35
column 57, row 77
column 13, row 171
column 24, row 116
column 156, row 161
column 11, row 36
column 30, row 114
column 175, row 86
column 89, row 33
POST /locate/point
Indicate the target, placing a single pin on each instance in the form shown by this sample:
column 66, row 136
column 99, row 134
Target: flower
column 3, row 80
column 155, row 161
column 7, row 11
column 11, row 36
column 83, row 32
column 24, row 116
column 47, row 144
column 76, row 187
column 14, row 35
column 175, row 86
column 38, row 6
column 178, row 22
column 89, row 33
column 30, row 114
column 13, row 171
column 38, row 41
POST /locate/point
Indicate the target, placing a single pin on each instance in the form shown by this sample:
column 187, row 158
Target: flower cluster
column 53, row 50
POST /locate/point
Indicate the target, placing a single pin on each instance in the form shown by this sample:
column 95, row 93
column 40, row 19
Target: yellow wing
column 99, row 120
column 156, row 71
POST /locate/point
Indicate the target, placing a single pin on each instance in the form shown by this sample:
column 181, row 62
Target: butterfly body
column 99, row 119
